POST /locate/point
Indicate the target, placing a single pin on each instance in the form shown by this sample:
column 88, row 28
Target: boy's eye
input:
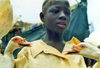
column 55, row 11
column 67, row 12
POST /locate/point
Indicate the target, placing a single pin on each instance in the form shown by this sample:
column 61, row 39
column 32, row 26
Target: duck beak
column 72, row 50
column 25, row 44
column 69, row 52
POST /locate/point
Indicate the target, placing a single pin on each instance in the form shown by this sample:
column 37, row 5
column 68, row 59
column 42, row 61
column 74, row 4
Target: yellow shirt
column 41, row 55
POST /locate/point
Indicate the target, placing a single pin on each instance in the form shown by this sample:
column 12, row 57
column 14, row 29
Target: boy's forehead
column 49, row 3
column 57, row 2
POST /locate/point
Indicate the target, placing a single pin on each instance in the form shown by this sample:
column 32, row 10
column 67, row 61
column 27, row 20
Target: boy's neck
column 58, row 45
column 55, row 39
column 54, row 36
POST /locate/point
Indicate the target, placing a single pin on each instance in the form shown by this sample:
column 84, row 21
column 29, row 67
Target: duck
column 90, row 48
column 7, row 59
column 6, row 17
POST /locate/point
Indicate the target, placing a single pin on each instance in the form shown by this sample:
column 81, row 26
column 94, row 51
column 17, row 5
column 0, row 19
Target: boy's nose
column 62, row 16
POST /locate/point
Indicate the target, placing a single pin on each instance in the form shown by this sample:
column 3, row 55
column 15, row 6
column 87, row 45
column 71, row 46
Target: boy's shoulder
column 36, row 48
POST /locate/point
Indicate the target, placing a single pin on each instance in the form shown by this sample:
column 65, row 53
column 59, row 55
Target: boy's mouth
column 61, row 25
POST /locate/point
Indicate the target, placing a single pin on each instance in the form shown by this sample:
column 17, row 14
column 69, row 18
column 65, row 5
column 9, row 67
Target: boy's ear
column 42, row 16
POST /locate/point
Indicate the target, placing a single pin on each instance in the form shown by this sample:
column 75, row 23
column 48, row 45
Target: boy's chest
column 46, row 61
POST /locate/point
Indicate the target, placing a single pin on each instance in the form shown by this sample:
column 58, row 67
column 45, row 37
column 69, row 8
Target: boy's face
column 57, row 17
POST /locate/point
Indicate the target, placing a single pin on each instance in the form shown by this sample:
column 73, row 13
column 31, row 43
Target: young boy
column 47, row 53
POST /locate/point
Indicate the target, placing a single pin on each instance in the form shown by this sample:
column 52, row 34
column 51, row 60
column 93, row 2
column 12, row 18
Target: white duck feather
column 7, row 60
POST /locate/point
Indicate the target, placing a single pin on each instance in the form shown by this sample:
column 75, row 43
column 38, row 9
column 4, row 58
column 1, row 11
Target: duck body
column 6, row 61
column 90, row 48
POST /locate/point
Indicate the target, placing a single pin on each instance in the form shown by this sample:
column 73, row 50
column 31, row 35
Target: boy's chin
column 60, row 30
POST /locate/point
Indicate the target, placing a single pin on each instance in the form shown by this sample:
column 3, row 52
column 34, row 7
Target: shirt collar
column 43, row 47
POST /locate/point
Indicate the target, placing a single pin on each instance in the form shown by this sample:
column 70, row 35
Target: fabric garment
column 41, row 55
column 6, row 17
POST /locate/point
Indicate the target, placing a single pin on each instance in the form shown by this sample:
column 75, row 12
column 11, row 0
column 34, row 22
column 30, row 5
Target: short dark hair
column 47, row 3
